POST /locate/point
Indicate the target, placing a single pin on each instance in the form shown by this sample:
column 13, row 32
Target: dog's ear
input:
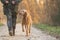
column 25, row 13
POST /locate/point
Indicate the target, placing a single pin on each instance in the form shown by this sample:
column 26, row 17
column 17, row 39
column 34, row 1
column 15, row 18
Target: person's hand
column 7, row 2
column 13, row 2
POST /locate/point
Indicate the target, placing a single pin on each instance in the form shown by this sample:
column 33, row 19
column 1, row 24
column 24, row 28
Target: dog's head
column 23, row 12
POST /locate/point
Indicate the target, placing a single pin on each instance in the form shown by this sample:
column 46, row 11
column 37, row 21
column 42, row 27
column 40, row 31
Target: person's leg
column 14, row 16
column 7, row 12
column 9, row 24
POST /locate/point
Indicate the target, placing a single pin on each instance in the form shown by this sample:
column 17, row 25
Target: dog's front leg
column 22, row 27
column 27, row 34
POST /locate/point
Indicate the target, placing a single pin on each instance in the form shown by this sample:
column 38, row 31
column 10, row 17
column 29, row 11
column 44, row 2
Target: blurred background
column 42, row 11
column 45, row 14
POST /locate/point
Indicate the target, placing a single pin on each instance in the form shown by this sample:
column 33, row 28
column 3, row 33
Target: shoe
column 13, row 32
column 10, row 33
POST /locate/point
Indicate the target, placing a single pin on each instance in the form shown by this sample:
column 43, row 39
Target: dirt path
column 35, row 34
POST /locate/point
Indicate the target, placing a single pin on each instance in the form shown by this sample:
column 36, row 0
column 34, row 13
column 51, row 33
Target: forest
column 44, row 11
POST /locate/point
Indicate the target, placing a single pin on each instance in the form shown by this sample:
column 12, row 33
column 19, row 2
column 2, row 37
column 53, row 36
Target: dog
column 26, row 21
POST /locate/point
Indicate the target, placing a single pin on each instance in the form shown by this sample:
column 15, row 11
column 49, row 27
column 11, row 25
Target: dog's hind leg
column 30, row 28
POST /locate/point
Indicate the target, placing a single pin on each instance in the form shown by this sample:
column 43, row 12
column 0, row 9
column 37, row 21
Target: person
column 9, row 7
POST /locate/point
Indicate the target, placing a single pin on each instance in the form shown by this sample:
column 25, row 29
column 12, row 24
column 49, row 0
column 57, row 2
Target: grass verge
column 1, row 24
column 52, row 30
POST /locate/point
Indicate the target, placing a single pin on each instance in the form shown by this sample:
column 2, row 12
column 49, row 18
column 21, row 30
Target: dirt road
column 35, row 34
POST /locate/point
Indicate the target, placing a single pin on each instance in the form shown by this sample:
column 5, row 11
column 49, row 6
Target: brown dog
column 26, row 21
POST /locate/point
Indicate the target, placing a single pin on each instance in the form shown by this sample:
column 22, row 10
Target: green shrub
column 1, row 24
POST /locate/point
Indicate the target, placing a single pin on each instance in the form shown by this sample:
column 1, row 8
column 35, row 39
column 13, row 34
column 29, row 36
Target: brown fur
column 26, row 22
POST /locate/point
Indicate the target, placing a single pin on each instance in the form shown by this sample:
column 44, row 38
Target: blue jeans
column 11, row 22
